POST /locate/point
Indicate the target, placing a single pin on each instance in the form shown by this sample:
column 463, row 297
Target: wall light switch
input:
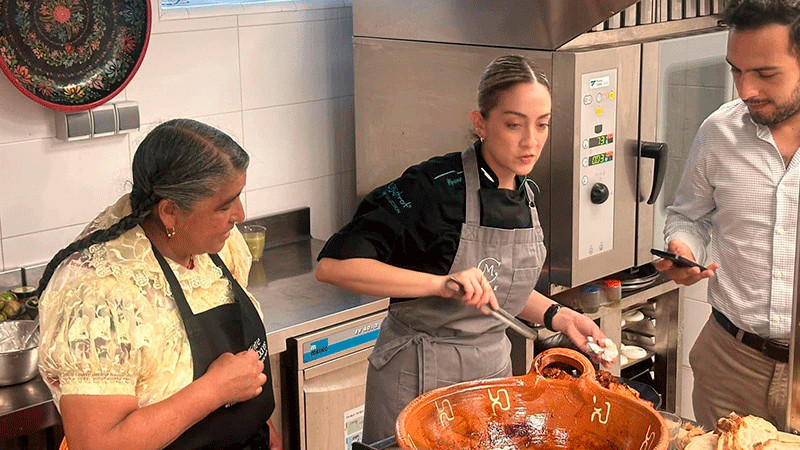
column 104, row 120
column 127, row 116
column 73, row 126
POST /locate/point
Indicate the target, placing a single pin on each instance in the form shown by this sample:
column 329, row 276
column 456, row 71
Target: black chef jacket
column 414, row 222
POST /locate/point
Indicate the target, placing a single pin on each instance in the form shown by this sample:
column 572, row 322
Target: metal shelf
column 630, row 363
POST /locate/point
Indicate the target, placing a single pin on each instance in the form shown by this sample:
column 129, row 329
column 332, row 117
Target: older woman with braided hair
column 148, row 339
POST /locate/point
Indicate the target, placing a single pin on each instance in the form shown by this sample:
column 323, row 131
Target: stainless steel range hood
column 532, row 24
column 528, row 24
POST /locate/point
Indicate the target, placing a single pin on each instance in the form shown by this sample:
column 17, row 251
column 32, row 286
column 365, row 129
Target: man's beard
column 782, row 111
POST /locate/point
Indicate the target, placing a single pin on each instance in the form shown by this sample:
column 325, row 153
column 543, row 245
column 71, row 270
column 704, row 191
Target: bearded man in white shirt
column 739, row 192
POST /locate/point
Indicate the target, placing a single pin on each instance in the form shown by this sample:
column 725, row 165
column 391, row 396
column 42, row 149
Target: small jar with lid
column 612, row 290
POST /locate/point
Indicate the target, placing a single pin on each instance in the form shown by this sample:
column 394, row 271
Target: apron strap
column 426, row 356
column 531, row 201
column 472, row 184
column 189, row 324
column 239, row 293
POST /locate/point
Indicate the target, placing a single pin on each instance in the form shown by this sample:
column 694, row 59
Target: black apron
column 232, row 327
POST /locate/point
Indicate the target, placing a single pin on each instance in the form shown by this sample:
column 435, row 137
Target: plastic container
column 612, row 290
column 590, row 298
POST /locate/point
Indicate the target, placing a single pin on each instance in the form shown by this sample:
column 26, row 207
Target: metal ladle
column 500, row 313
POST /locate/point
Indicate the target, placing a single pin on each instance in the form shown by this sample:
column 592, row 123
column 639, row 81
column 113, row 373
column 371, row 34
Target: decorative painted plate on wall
column 72, row 55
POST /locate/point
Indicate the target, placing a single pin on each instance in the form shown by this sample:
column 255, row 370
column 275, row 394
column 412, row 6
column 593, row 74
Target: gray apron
column 432, row 342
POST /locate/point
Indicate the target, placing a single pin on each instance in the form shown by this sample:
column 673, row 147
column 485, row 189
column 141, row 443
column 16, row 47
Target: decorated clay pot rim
column 8, row 71
column 543, row 360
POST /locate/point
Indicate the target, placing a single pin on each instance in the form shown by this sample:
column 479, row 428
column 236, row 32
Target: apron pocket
column 522, row 284
column 501, row 369
column 407, row 389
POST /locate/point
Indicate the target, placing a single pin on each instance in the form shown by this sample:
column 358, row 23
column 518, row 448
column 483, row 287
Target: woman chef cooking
column 467, row 216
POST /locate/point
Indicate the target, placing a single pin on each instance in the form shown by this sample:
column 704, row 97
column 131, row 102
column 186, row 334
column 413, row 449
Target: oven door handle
column 658, row 151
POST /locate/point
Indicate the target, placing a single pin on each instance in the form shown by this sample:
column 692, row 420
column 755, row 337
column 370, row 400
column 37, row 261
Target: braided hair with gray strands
column 181, row 160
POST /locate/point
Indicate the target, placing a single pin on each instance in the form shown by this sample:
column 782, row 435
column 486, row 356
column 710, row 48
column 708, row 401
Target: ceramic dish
column 633, row 315
column 532, row 411
column 633, row 352
column 72, row 55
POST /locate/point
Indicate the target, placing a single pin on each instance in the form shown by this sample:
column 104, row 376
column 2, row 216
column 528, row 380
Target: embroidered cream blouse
column 109, row 325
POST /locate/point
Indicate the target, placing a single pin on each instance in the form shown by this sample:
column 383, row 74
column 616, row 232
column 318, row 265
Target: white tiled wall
column 697, row 82
column 280, row 83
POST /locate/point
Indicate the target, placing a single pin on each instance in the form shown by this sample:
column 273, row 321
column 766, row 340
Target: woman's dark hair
column 504, row 73
column 180, row 160
column 752, row 14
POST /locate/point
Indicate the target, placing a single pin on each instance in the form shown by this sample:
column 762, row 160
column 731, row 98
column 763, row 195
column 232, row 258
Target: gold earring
column 481, row 138
column 170, row 232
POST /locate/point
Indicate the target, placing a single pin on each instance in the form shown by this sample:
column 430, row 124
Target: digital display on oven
column 599, row 82
column 601, row 140
column 600, row 158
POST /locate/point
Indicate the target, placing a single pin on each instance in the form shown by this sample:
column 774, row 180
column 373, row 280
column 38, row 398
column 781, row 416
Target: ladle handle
column 499, row 314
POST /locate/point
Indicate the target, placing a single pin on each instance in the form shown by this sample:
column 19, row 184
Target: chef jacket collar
column 488, row 177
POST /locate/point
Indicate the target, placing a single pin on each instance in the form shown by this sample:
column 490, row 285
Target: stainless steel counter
column 293, row 302
column 25, row 409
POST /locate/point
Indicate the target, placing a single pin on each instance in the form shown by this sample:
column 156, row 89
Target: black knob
column 599, row 193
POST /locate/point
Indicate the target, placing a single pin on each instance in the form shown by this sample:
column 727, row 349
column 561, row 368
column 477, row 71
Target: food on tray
column 776, row 444
column 689, row 432
column 706, row 441
column 737, row 432
column 734, row 432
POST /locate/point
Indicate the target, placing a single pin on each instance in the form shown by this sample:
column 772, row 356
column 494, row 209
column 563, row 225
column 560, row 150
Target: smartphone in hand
column 677, row 259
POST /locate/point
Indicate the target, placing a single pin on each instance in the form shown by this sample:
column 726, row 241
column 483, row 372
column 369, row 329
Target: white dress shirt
column 736, row 188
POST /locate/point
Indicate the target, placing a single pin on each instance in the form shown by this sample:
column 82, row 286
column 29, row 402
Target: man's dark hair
column 751, row 14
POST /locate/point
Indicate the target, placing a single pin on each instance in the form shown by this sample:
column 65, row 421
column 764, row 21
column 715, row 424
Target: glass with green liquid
column 254, row 235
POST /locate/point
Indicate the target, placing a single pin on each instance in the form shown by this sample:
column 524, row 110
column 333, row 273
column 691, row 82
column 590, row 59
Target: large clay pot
column 532, row 412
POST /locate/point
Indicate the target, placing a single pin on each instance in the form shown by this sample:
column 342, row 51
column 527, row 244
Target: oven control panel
column 597, row 150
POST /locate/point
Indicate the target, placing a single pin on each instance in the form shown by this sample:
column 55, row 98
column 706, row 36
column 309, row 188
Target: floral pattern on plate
column 72, row 54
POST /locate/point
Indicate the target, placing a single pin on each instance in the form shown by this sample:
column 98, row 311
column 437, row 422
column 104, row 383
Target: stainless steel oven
column 417, row 65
